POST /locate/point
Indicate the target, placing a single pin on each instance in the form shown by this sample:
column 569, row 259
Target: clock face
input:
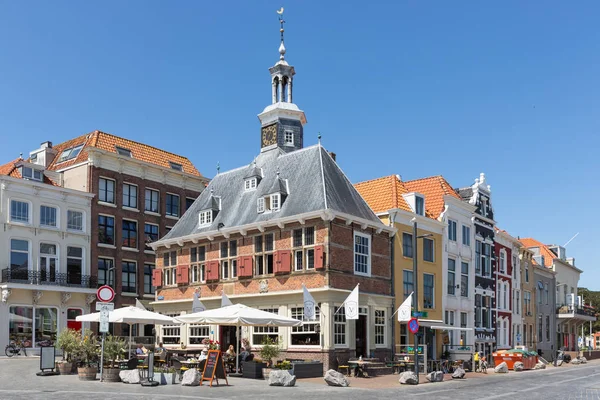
column 269, row 135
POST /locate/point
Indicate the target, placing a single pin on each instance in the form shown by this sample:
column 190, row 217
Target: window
column 478, row 311
column 229, row 259
column 48, row 216
column 150, row 234
column 205, row 218
column 502, row 261
column 477, row 257
column 171, row 334
column 452, row 230
column 451, row 276
column 172, row 205
column 514, row 266
column 419, row 205
column 70, row 153
column 547, row 328
column 408, row 282
column 505, row 296
column 74, row 265
column 75, row 220
column 148, row 270
column 106, row 191
column 275, row 202
column 48, row 262
column 289, row 138
column 463, row 324
column 123, row 151
column 427, row 249
column 428, row 294
column 175, row 166
column 250, row 184
column 540, row 329
column 188, row 202
column 526, row 303
column 380, row 328
column 129, row 233
column 303, row 241
column 264, row 257
column 19, row 211
column 106, row 229
column 362, row 254
column 106, row 272
column 517, row 307
column 407, row 245
column 260, row 204
column 306, row 334
column 526, row 272
column 546, row 293
column 33, row 325
column 128, row 282
column 197, row 333
column 340, row 328
column 30, row 173
column 19, row 254
column 466, row 235
column 449, row 320
column 198, row 255
column 464, row 279
column 152, row 200
column 531, row 334
column 486, row 260
column 170, row 259
column 260, row 333
column 129, row 195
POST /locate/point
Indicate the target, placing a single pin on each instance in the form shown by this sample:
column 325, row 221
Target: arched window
column 284, row 88
column 276, row 89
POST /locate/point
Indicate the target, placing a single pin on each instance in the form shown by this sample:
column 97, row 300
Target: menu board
column 214, row 367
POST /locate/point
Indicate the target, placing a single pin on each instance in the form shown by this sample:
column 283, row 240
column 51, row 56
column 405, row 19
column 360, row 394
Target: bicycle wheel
column 10, row 350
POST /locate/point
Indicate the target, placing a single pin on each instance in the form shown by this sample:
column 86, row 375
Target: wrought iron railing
column 570, row 309
column 32, row 277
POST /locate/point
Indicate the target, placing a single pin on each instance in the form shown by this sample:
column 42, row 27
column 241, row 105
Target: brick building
column 261, row 231
column 140, row 193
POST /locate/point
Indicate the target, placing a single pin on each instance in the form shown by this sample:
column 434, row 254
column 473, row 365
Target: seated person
column 203, row 355
column 230, row 351
column 244, row 354
column 159, row 349
column 140, row 349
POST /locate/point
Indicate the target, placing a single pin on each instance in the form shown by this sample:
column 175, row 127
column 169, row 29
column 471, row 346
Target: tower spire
column 281, row 30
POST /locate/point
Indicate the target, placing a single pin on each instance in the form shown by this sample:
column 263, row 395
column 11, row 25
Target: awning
column 450, row 328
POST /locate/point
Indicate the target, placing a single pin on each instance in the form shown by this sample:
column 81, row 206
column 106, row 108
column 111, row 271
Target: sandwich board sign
column 214, row 368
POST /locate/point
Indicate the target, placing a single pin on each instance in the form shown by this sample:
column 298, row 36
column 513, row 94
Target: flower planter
column 65, row 368
column 87, row 373
column 111, row 374
column 166, row 378
column 253, row 370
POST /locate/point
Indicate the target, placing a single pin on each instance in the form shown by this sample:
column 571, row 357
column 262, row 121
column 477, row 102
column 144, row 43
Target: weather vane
column 281, row 21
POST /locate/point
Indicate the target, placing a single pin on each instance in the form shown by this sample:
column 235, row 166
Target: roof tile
column 545, row 251
column 434, row 188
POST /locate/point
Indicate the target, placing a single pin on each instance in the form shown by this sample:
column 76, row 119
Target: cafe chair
column 179, row 367
column 132, row 363
column 341, row 367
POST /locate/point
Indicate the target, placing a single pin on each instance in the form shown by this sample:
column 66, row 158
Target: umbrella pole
column 130, row 327
column 237, row 354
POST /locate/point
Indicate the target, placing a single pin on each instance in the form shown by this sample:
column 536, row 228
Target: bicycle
column 14, row 348
column 483, row 365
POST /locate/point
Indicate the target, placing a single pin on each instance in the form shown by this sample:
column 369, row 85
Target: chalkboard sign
column 214, row 367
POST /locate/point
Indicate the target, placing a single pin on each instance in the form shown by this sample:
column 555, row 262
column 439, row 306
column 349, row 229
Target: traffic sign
column 105, row 307
column 413, row 325
column 105, row 293
column 103, row 327
column 420, row 314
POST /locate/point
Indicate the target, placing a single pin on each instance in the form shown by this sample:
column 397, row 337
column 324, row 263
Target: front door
column 227, row 338
column 48, row 262
column 361, row 336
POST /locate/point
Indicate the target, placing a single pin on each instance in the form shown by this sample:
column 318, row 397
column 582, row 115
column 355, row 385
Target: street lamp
column 416, row 289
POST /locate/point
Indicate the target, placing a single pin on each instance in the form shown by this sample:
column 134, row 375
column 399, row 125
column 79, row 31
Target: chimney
column 571, row 260
column 46, row 145
column 44, row 155
column 333, row 155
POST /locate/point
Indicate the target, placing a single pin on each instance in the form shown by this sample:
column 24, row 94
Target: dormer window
column 250, row 184
column 205, row 218
column 175, row 166
column 30, row 173
column 270, row 203
column 416, row 201
column 260, row 205
column 275, row 202
column 419, row 205
column 122, row 151
column 289, row 138
column 70, row 153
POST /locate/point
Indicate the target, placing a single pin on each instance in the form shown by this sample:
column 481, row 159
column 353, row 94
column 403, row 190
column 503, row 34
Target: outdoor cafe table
column 359, row 367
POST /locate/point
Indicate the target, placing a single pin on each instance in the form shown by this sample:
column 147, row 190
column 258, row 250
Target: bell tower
column 282, row 122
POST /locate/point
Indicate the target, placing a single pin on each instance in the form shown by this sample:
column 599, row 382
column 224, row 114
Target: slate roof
column 107, row 142
column 315, row 183
column 465, row 193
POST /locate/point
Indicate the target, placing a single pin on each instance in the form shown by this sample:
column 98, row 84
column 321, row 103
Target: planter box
column 253, row 370
column 166, row 378
column 311, row 369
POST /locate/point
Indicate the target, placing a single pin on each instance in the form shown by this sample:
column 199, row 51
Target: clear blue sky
column 414, row 88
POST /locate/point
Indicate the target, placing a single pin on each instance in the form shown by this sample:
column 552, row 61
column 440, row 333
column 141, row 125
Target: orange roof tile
column 434, row 188
column 383, row 194
column 545, row 251
column 107, row 142
column 10, row 168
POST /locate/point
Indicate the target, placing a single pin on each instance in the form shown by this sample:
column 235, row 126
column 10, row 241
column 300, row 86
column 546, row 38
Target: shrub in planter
column 270, row 350
column 114, row 348
column 67, row 342
column 166, row 376
column 86, row 355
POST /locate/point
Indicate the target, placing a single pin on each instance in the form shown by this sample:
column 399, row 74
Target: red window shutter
column 248, row 260
column 184, row 274
column 319, row 257
column 240, row 266
column 213, row 271
column 157, row 277
column 284, row 262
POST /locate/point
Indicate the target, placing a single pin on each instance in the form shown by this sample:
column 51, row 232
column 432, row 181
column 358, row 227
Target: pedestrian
column 476, row 361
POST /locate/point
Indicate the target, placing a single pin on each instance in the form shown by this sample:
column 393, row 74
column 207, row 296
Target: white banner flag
column 351, row 304
column 404, row 311
column 309, row 305
column 225, row 300
column 139, row 304
column 197, row 305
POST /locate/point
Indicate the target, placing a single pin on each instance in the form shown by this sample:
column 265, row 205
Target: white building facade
column 44, row 256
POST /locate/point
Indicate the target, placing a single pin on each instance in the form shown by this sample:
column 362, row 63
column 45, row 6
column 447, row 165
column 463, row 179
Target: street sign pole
column 416, row 292
column 102, row 358
column 105, row 308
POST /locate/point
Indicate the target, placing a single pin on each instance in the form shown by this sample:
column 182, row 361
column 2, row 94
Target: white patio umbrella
column 129, row 315
column 238, row 315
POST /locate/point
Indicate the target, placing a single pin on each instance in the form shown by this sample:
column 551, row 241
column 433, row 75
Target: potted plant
column 165, row 375
column 270, row 350
column 67, row 342
column 114, row 348
column 86, row 354
column 211, row 344
column 253, row 369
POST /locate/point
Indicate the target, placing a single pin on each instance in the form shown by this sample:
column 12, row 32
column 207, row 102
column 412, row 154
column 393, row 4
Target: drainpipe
column 392, row 220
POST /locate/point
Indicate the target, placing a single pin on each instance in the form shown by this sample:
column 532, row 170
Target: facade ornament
column 64, row 298
column 90, row 298
column 6, row 294
column 36, row 191
column 37, row 295
column 263, row 286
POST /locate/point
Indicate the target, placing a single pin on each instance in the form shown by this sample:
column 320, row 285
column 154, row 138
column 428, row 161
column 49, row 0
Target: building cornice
column 43, row 186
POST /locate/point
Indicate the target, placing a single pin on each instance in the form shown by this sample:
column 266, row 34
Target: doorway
column 361, row 336
column 48, row 262
column 227, row 337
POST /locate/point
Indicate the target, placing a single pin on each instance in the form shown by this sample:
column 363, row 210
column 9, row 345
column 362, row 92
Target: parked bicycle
column 14, row 348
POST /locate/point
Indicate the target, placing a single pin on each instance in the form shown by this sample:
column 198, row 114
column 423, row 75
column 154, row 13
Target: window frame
column 109, row 278
column 302, row 252
column 429, row 240
column 407, row 245
column 452, row 231
column 368, row 255
column 432, row 291
column 148, row 235
column 205, row 218
column 297, row 311
column 250, row 184
column 129, row 196
column 464, row 288
column 124, row 237
column 129, row 275
column 28, row 252
column 149, row 200
column 56, row 216
column 381, row 326
column 104, row 190
column 265, row 254
column 287, row 142
column 340, row 328
column 405, row 283
column 148, row 271
column 169, row 206
column 451, row 272
column 107, row 217
column 269, row 331
column 419, row 205
column 70, row 227
column 466, row 236
column 19, row 219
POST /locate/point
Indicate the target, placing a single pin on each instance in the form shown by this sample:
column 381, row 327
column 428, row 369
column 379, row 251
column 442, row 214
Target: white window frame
column 250, row 184
column 56, row 216
column 316, row 322
column 303, row 249
column 137, row 195
column 452, row 230
column 381, row 326
column 82, row 258
column 19, row 219
column 466, row 235
column 275, row 202
column 137, row 233
column 65, row 155
column 369, row 247
column 33, row 174
column 171, row 329
column 260, row 205
column 417, row 210
column 265, row 330
column 197, row 331
column 205, row 218
column 114, row 191
column 453, row 272
column 146, row 198
column 288, row 140
column 502, row 262
column 339, row 320
column 69, row 227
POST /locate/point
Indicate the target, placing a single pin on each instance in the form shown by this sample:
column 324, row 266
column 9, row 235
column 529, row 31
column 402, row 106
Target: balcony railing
column 572, row 309
column 31, row 277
